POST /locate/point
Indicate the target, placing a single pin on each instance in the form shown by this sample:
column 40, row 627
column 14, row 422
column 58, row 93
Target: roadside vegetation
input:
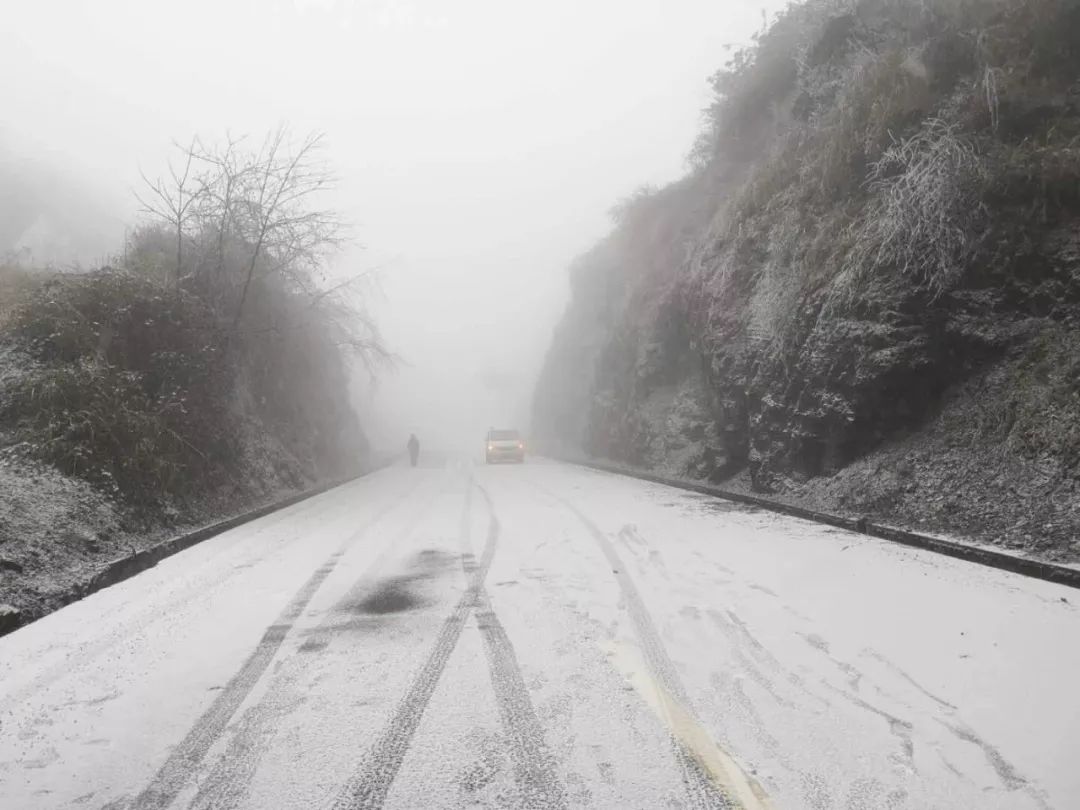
column 879, row 219
column 206, row 368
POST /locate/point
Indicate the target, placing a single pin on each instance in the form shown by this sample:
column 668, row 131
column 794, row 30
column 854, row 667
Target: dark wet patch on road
column 395, row 595
column 404, row 592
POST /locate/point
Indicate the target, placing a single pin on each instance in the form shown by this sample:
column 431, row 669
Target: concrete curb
column 126, row 567
column 1059, row 574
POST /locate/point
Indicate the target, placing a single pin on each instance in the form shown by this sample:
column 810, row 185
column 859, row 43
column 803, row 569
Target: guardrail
column 1060, row 574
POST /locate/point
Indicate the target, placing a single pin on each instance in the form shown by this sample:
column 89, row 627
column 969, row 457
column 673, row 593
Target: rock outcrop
column 876, row 261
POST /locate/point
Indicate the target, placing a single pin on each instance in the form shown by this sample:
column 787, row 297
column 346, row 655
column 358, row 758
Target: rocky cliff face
column 867, row 292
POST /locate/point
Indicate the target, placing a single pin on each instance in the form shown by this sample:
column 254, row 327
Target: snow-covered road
column 544, row 636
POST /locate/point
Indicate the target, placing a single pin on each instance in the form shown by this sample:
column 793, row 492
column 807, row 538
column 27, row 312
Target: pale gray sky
column 480, row 143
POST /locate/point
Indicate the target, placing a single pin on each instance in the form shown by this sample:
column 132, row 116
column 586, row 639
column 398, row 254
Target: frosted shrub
column 927, row 215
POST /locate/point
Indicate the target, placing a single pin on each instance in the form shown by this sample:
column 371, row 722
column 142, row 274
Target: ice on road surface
column 545, row 636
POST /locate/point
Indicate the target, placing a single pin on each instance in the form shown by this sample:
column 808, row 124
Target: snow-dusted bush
column 125, row 385
column 927, row 216
column 212, row 354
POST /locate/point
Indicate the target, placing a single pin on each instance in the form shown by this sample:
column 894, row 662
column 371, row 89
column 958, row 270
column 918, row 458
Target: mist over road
column 544, row 636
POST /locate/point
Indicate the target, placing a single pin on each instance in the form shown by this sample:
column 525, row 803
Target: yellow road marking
column 724, row 771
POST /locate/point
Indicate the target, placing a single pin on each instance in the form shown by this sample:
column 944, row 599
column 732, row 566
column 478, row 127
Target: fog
column 479, row 145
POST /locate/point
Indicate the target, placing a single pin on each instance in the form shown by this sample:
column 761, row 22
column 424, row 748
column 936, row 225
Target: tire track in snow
column 229, row 565
column 370, row 784
column 171, row 778
column 227, row 784
column 185, row 758
column 706, row 789
column 534, row 767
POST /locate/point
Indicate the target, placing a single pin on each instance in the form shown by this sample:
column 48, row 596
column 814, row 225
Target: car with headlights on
column 504, row 445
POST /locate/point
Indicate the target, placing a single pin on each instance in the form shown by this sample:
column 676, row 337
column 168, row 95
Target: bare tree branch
column 175, row 201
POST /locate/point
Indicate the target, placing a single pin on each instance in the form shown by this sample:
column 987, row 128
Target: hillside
column 204, row 372
column 865, row 295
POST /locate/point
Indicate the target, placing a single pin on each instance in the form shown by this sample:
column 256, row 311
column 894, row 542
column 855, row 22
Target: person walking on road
column 414, row 448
